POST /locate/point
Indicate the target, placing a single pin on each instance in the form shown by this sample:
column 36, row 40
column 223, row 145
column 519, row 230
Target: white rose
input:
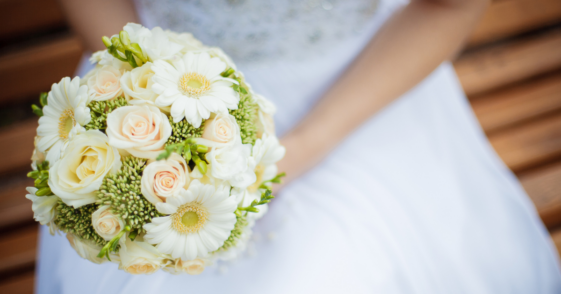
column 43, row 208
column 139, row 257
column 158, row 45
column 217, row 52
column 77, row 176
column 104, row 83
column 268, row 150
column 105, row 223
column 192, row 267
column 136, row 32
column 164, row 178
column 232, row 163
column 222, row 128
column 186, row 40
column 86, row 249
column 137, row 85
column 141, row 130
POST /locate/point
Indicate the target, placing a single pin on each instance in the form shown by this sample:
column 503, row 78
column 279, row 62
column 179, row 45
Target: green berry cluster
column 246, row 114
column 183, row 130
column 99, row 111
column 122, row 191
column 232, row 241
column 78, row 221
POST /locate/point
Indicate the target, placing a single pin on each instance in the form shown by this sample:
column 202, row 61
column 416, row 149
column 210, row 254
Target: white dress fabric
column 414, row 201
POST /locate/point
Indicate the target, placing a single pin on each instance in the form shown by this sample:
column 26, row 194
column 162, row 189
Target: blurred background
column 510, row 70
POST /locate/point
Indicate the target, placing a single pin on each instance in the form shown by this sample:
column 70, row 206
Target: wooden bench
column 511, row 73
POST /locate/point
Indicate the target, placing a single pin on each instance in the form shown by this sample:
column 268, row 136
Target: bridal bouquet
column 161, row 157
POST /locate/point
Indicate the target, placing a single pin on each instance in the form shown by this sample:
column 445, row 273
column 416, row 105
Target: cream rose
column 104, row 83
column 137, row 85
column 192, row 267
column 164, row 178
column 86, row 249
column 105, row 223
column 141, row 130
column 139, row 257
column 77, row 176
column 222, row 128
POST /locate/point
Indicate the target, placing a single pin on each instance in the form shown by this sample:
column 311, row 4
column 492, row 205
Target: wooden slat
column 493, row 67
column 22, row 284
column 517, row 104
column 556, row 237
column 16, row 146
column 530, row 144
column 30, row 71
column 17, row 249
column 544, row 188
column 15, row 209
column 29, row 16
column 508, row 18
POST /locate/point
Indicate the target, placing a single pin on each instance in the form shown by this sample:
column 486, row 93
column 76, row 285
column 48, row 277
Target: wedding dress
column 414, row 201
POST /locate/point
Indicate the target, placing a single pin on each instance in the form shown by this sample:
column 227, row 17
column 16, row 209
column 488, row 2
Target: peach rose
column 222, row 128
column 104, row 83
column 192, row 267
column 141, row 130
column 140, row 258
column 164, row 178
column 105, row 223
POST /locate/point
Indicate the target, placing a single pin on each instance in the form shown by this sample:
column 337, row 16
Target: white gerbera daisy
column 63, row 116
column 200, row 220
column 193, row 86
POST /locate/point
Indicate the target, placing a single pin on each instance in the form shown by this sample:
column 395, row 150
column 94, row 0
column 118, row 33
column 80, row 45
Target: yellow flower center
column 65, row 123
column 259, row 170
column 189, row 218
column 194, row 84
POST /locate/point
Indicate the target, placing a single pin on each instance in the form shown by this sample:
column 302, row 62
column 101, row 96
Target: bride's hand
column 408, row 48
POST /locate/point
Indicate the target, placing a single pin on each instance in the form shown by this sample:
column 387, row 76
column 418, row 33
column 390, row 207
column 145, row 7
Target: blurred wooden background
column 510, row 70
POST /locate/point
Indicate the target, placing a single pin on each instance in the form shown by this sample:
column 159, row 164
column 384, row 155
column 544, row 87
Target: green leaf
column 43, row 99
column 37, row 110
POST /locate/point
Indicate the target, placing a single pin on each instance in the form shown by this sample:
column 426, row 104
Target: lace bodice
column 254, row 31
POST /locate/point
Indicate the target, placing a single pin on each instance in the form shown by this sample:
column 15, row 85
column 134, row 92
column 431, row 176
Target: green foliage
column 99, row 111
column 78, row 221
column 122, row 192
column 189, row 150
column 113, row 245
column 266, row 195
column 41, row 177
column 122, row 49
column 43, row 101
column 183, row 130
column 246, row 114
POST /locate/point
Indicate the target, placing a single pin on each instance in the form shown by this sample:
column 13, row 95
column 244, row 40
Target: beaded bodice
column 255, row 31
